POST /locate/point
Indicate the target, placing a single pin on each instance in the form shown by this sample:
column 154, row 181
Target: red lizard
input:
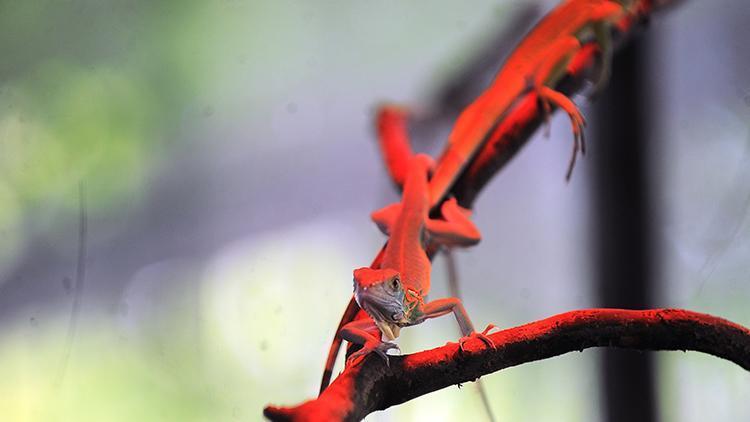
column 397, row 153
column 394, row 294
column 537, row 63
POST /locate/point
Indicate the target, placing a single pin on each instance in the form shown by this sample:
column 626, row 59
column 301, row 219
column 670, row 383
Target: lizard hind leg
column 550, row 70
column 456, row 229
column 576, row 119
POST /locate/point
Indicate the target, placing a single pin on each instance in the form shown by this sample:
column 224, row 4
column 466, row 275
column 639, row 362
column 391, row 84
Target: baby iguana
column 394, row 294
column 536, row 65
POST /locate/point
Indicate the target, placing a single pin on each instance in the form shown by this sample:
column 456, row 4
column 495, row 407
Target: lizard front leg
column 360, row 332
column 440, row 307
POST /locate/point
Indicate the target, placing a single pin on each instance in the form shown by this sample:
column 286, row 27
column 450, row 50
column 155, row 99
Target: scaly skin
column 537, row 63
column 394, row 295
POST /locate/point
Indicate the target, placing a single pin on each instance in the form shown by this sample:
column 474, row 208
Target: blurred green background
column 227, row 157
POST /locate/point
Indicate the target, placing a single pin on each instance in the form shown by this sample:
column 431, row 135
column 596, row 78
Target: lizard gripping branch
column 501, row 145
column 362, row 389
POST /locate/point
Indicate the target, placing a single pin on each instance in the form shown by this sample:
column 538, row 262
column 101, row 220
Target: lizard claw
column 381, row 348
column 546, row 112
column 548, row 97
column 489, row 328
column 481, row 336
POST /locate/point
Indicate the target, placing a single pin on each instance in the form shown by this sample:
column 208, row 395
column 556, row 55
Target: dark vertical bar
column 622, row 239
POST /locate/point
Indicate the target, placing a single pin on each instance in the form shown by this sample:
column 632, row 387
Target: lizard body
column 537, row 63
column 394, row 294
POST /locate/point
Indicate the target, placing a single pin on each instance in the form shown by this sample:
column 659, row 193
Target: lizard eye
column 395, row 284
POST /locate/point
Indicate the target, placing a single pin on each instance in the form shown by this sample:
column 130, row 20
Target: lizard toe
column 380, row 349
column 489, row 328
column 383, row 348
column 461, row 342
column 486, row 340
column 481, row 336
column 356, row 357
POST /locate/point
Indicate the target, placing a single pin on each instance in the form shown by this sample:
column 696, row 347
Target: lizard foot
column 481, row 336
column 549, row 96
column 380, row 347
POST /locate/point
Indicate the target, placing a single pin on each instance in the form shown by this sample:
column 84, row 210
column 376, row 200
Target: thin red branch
column 371, row 385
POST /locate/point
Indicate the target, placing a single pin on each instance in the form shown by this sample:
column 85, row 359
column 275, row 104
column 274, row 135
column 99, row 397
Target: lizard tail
column 333, row 352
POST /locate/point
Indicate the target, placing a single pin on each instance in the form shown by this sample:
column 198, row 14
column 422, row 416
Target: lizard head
column 380, row 293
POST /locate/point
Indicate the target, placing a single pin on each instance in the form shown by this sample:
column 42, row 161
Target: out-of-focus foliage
column 89, row 91
column 100, row 93
column 215, row 351
column 95, row 88
column 95, row 91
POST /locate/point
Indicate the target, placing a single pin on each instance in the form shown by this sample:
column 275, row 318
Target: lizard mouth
column 389, row 329
column 378, row 306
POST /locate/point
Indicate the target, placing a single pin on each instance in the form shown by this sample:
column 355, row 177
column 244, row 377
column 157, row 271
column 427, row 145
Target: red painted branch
column 371, row 386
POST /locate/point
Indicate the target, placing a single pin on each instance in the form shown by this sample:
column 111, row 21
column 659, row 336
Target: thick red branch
column 371, row 385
